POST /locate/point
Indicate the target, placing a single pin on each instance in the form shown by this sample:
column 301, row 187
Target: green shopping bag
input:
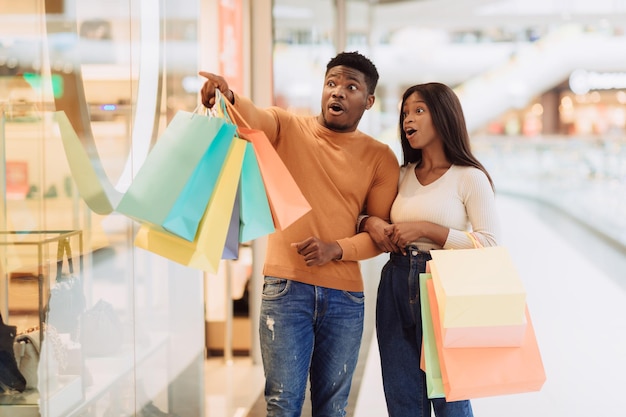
column 184, row 217
column 430, row 357
column 206, row 250
column 171, row 189
column 255, row 213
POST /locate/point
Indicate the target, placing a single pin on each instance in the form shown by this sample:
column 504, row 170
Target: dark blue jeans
column 399, row 332
column 308, row 329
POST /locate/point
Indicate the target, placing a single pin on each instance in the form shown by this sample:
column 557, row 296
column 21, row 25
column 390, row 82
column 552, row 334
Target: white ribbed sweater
column 461, row 199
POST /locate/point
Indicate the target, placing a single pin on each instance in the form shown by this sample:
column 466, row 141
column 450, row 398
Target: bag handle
column 202, row 110
column 230, row 109
column 64, row 248
column 475, row 241
column 226, row 110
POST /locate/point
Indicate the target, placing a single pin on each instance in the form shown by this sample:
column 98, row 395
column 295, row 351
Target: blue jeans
column 399, row 332
column 309, row 330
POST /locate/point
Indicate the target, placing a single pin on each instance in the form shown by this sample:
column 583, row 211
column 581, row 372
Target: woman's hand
column 375, row 226
column 401, row 234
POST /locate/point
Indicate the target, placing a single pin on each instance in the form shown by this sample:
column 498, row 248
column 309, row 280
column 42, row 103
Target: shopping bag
column 231, row 246
column 92, row 183
column 477, row 287
column 206, row 249
column 182, row 155
column 287, row 203
column 485, row 336
column 184, row 217
column 430, row 357
column 487, row 371
column 255, row 214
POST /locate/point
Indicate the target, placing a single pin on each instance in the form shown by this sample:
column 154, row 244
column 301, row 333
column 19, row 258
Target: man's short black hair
column 358, row 62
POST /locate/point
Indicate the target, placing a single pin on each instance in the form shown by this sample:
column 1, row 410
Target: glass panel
column 101, row 78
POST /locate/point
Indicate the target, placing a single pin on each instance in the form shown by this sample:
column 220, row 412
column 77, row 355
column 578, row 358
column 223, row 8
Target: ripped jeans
column 309, row 330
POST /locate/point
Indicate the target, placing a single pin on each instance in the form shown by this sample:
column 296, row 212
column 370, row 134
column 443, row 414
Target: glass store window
column 92, row 325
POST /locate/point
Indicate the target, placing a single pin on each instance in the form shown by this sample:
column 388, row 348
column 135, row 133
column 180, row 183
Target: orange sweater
column 339, row 174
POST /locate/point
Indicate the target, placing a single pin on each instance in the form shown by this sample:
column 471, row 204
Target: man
column 312, row 304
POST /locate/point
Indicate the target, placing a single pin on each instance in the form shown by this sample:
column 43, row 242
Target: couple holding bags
column 443, row 192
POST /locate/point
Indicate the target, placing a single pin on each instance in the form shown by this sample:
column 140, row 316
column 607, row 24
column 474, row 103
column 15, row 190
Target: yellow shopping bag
column 205, row 251
column 478, row 287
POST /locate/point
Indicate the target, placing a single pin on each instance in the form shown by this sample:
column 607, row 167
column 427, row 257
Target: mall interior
column 104, row 327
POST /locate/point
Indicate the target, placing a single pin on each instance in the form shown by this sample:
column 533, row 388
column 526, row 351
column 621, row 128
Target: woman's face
column 418, row 124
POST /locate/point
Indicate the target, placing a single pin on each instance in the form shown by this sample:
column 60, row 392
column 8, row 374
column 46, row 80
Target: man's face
column 344, row 99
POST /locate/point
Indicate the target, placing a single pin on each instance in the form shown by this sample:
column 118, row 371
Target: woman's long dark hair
column 448, row 120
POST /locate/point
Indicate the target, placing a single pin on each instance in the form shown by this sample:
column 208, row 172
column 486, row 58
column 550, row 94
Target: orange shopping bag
column 487, row 371
column 287, row 202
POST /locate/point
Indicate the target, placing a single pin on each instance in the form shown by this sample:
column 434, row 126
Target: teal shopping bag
column 175, row 183
column 255, row 213
column 434, row 381
column 251, row 217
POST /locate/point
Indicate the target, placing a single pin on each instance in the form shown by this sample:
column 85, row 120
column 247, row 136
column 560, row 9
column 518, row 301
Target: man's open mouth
column 336, row 107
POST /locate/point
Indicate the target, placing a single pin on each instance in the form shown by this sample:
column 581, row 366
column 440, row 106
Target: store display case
column 55, row 361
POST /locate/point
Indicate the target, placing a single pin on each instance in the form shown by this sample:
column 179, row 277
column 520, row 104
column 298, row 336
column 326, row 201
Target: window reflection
column 109, row 327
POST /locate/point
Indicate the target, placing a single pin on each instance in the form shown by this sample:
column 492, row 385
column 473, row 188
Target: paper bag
column 206, row 250
column 430, row 356
column 231, row 246
column 169, row 167
column 184, row 217
column 481, row 372
column 286, row 201
column 477, row 287
column 255, row 214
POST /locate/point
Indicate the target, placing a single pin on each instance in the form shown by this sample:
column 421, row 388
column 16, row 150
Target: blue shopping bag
column 231, row 246
column 184, row 217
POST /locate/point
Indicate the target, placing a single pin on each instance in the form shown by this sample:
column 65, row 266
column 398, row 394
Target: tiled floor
column 576, row 286
column 232, row 389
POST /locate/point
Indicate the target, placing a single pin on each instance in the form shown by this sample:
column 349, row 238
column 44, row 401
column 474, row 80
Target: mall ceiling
column 389, row 15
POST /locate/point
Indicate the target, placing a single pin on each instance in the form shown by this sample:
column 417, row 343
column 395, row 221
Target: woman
column 444, row 192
